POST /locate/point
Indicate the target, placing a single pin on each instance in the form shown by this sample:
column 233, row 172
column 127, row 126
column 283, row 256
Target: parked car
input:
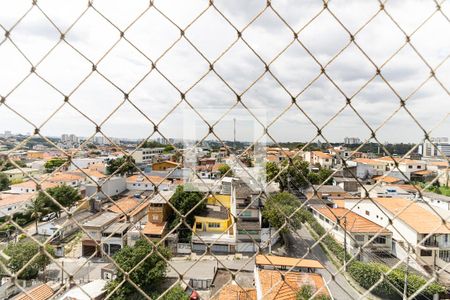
column 48, row 217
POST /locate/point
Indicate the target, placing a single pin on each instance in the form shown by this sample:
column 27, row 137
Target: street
column 297, row 247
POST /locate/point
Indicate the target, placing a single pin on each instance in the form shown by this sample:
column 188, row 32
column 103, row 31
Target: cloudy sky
column 153, row 94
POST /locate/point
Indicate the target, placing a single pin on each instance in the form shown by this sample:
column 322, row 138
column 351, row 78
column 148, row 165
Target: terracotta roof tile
column 40, row 292
column 355, row 222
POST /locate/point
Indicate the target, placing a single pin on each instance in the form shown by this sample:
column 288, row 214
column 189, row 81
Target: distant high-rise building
column 69, row 138
column 7, row 134
column 352, row 141
column 440, row 148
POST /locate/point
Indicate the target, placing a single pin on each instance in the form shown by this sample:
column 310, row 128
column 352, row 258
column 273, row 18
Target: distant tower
column 234, row 133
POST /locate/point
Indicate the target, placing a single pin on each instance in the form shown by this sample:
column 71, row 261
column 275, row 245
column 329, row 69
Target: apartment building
column 147, row 155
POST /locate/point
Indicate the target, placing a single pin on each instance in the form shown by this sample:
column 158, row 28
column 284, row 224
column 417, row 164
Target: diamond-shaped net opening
column 224, row 150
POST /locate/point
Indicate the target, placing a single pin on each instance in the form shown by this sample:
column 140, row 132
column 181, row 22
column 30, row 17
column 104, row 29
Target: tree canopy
column 124, row 165
column 63, row 194
column 295, row 174
column 4, row 182
column 54, row 163
column 184, row 200
column 225, row 170
column 21, row 253
column 279, row 208
column 148, row 275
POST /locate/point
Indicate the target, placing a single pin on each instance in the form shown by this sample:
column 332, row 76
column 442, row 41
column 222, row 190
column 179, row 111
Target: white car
column 49, row 217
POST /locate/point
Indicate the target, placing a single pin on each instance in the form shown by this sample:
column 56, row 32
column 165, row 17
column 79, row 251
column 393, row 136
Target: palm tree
column 36, row 209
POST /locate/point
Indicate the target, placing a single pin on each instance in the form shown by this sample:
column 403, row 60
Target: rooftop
column 40, row 292
column 215, row 212
column 154, row 228
column 102, row 219
column 117, row 228
column 409, row 211
column 162, row 197
column 235, row 292
column 283, row 261
column 355, row 222
column 285, row 285
column 8, row 199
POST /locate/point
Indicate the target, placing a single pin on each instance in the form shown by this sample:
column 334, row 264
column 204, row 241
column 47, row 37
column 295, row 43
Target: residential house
column 386, row 179
column 60, row 178
column 406, row 166
column 353, row 229
column 109, row 187
column 273, row 281
column 437, row 200
column 247, row 211
column 94, row 290
column 12, row 203
column 412, row 224
column 214, row 225
column 158, row 213
column 114, row 237
column 367, row 168
column 384, row 191
column 326, row 192
column 130, row 208
column 29, row 187
column 315, row 158
column 64, row 226
column 164, row 165
column 39, row 292
column 148, row 183
column 95, row 227
column 348, row 184
column 18, row 174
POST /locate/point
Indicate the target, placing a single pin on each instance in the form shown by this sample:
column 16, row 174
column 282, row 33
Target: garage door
column 198, row 248
column 219, row 248
column 246, row 247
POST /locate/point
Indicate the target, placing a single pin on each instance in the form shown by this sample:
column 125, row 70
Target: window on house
column 426, row 253
column 410, row 167
column 214, row 225
column 359, row 238
column 155, row 218
column 419, row 167
column 380, row 240
column 198, row 226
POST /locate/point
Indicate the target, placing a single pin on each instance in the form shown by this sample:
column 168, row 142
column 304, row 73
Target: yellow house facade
column 214, row 225
column 220, row 200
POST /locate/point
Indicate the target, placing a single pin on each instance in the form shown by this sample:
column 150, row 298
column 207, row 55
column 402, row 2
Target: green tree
column 320, row 177
column 279, row 208
column 24, row 251
column 272, row 170
column 4, row 182
column 148, row 275
column 7, row 165
column 176, row 293
column 184, row 200
column 306, row 292
column 152, row 144
column 36, row 209
column 225, row 170
column 63, row 194
column 124, row 165
column 54, row 163
column 293, row 173
column 168, row 149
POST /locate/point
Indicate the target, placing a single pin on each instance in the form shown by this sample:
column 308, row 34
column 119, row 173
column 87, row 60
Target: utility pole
column 345, row 243
column 270, row 239
column 405, row 286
